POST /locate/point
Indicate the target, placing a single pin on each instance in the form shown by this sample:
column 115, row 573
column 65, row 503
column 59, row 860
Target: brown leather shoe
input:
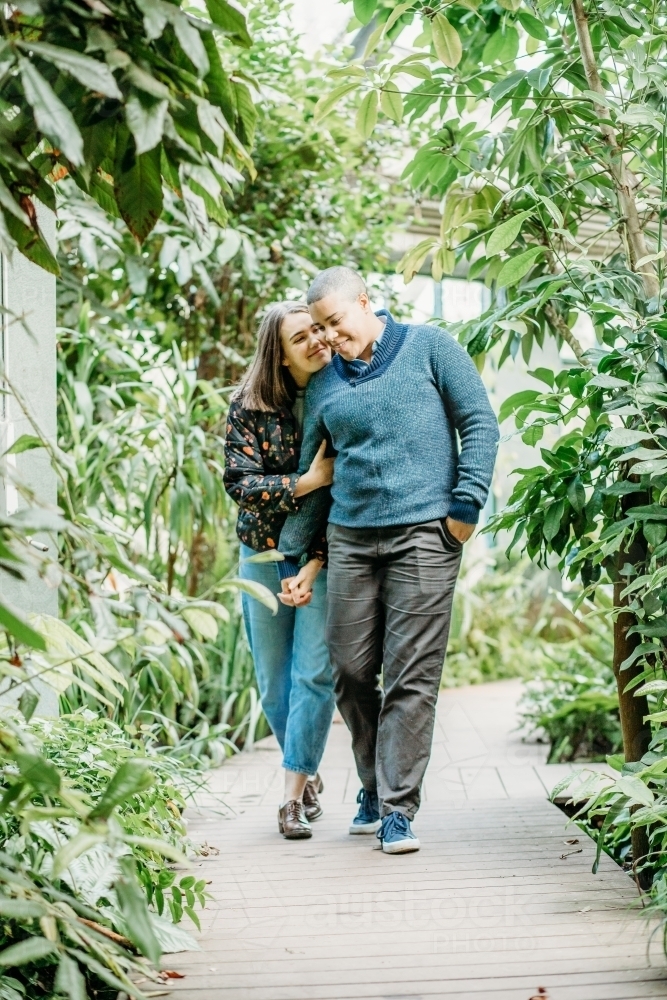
column 292, row 821
column 311, row 804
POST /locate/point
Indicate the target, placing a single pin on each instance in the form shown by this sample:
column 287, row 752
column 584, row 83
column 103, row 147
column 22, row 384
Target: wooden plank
column 488, row 908
column 521, row 782
column 483, row 783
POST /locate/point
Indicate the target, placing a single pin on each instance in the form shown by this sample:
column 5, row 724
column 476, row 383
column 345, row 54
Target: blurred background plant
column 502, row 612
column 572, row 700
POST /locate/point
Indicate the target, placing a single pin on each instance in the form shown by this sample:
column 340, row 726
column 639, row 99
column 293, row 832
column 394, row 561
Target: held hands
column 319, row 474
column 459, row 529
column 297, row 591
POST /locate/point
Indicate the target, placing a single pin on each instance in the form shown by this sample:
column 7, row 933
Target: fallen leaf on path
column 572, row 840
column 172, row 974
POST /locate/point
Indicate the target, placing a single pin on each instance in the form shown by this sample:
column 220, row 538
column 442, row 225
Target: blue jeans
column 292, row 667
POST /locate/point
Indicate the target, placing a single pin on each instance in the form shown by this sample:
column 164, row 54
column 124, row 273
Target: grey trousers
column 389, row 609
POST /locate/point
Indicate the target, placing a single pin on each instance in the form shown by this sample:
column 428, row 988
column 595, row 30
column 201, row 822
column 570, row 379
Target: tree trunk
column 620, row 174
column 563, row 330
column 636, row 733
column 632, row 709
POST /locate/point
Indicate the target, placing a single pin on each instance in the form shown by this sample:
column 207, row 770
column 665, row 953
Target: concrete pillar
column 28, row 349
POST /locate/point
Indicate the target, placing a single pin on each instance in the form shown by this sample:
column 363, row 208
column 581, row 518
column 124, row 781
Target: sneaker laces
column 368, row 804
column 395, row 822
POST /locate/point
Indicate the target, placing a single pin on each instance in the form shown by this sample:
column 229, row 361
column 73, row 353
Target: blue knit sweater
column 393, row 424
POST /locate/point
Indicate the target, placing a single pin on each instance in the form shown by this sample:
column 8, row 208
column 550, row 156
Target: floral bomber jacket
column 261, row 461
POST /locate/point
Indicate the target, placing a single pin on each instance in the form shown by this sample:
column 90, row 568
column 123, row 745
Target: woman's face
column 305, row 350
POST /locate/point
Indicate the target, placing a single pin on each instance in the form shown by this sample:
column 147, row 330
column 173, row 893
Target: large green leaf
column 446, row 41
column 159, row 847
column 32, row 244
column 505, row 234
column 28, row 702
column 38, row 772
column 51, row 116
column 231, row 20
column 21, row 909
column 74, row 848
column 201, row 622
column 156, row 17
column 391, row 102
column 516, row 268
column 31, row 950
column 256, row 590
column 27, row 442
column 552, row 519
column 69, row 980
column 501, row 47
column 93, row 74
column 145, row 120
column 20, row 629
column 533, row 26
column 246, row 113
column 8, row 201
column 328, row 102
column 271, row 555
column 364, row 10
column 131, row 777
column 397, row 12
column 576, row 494
column 138, row 187
column 136, row 917
column 516, row 400
column 622, row 437
column 635, row 789
column 367, row 115
column 191, row 43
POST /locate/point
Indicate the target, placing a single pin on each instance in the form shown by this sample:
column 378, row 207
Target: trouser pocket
column 451, row 542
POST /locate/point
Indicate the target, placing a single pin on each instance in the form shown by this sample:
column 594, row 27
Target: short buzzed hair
column 342, row 280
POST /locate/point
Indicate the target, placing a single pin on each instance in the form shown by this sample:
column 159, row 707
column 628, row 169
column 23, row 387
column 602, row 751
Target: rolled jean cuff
column 299, row 769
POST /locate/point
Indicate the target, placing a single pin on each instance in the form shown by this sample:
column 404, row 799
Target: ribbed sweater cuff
column 462, row 511
column 287, row 568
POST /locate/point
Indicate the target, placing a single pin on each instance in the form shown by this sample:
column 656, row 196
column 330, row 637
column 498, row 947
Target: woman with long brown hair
column 262, row 447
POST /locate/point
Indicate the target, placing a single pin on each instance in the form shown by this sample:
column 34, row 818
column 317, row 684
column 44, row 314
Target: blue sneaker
column 367, row 819
column 396, row 836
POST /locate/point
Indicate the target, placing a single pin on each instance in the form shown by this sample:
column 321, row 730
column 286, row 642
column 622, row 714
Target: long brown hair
column 267, row 384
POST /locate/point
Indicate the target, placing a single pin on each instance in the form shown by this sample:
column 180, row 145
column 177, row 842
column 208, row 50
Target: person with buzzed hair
column 404, row 499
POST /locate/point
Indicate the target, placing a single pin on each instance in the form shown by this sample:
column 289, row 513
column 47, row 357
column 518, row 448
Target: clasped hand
column 297, row 591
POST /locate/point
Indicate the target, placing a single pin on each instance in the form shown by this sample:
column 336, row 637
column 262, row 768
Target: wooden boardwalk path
column 497, row 904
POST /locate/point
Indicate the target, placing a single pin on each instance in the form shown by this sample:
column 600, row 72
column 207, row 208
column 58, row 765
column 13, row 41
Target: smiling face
column 349, row 325
column 304, row 349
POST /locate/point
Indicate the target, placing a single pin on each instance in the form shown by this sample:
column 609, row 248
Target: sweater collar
column 390, row 341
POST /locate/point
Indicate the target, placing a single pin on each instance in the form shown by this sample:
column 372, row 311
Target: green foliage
column 98, row 759
column 610, row 807
column 500, row 617
column 122, row 97
column 68, row 895
column 317, row 198
column 572, row 699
